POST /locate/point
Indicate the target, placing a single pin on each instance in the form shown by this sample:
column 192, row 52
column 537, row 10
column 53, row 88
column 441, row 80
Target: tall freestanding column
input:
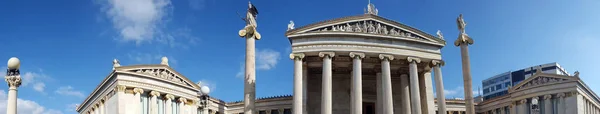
column 414, row 85
column 137, row 99
column 439, row 86
column 326, row 103
column 404, row 93
column 13, row 79
column 249, row 32
column 357, row 82
column 388, row 104
column 297, row 106
column 464, row 41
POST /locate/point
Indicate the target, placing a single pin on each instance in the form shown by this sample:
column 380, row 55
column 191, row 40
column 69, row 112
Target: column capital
column 121, row 88
column 169, row 97
column 523, row 101
column 357, row 55
column 411, row 59
column 386, row 56
column 329, row 54
column 154, row 93
column 138, row 90
column 438, row 62
column 560, row 95
column 181, row 99
column 297, row 55
column 547, row 97
column 463, row 39
column 13, row 81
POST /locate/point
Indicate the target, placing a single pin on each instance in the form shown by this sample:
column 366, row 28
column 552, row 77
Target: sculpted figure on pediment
column 148, row 71
column 163, row 74
column 357, row 28
column 334, row 28
column 385, row 30
column 378, row 29
column 370, row 27
column 348, row 27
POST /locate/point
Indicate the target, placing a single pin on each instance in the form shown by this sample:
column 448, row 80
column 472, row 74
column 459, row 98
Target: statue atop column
column 249, row 30
column 462, row 36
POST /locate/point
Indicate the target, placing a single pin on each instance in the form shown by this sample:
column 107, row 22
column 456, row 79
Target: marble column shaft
column 561, row 103
column 326, row 91
column 137, row 99
column 120, row 89
column 169, row 103
column 466, row 69
column 547, row 104
column 513, row 108
column 523, row 106
column 414, row 85
column 153, row 102
column 439, row 86
column 405, row 94
column 297, row 106
column 181, row 104
column 357, row 82
column 102, row 107
column 388, row 104
column 304, row 89
column 250, row 76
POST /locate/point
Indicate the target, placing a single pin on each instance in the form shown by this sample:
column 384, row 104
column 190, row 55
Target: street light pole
column 13, row 78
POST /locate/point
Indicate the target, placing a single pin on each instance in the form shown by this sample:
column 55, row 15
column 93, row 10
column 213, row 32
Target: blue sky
column 67, row 46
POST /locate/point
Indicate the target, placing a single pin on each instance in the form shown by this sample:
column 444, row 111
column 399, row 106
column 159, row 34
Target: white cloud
column 37, row 79
column 457, row 92
column 71, row 107
column 138, row 20
column 25, row 106
column 266, row 59
column 241, row 72
column 69, row 91
column 39, row 87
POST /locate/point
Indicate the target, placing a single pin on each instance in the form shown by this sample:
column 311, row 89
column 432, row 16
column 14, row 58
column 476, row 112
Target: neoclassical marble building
column 545, row 93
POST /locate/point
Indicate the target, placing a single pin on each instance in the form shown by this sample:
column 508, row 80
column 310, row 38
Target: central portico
column 364, row 64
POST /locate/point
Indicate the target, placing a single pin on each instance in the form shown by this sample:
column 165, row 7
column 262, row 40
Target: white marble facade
column 545, row 93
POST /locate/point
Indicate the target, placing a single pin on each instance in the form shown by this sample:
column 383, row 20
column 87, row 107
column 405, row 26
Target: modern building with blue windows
column 498, row 85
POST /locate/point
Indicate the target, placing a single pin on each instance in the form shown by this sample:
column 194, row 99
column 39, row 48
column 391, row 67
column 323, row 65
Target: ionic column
column 297, row 57
column 523, row 106
column 326, row 103
column 357, row 82
column 414, row 85
column 561, row 103
column 513, row 108
column 547, row 104
column 439, row 85
column 279, row 110
column 168, row 103
column 153, row 106
column 137, row 98
column 101, row 106
column 181, row 104
column 388, row 104
column 502, row 110
column 120, row 89
column 404, row 94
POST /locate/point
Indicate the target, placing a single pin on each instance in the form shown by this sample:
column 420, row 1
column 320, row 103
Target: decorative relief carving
column 371, row 27
column 161, row 73
column 169, row 97
column 121, row 88
column 411, row 59
column 547, row 97
column 154, row 93
column 541, row 81
column 138, row 90
column 13, row 81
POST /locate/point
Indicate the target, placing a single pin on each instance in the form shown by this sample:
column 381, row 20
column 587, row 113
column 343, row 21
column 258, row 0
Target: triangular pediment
column 540, row 79
column 366, row 25
column 162, row 72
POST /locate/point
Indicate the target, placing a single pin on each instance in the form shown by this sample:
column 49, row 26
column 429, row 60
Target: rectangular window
column 499, row 86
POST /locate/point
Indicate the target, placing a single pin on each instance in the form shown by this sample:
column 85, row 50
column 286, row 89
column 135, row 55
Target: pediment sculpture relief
column 371, row 27
column 541, row 81
column 161, row 73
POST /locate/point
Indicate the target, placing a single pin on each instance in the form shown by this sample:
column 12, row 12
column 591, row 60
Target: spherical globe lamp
column 205, row 90
column 14, row 63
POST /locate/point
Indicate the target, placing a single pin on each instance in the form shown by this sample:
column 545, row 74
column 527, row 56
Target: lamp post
column 13, row 78
column 204, row 99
